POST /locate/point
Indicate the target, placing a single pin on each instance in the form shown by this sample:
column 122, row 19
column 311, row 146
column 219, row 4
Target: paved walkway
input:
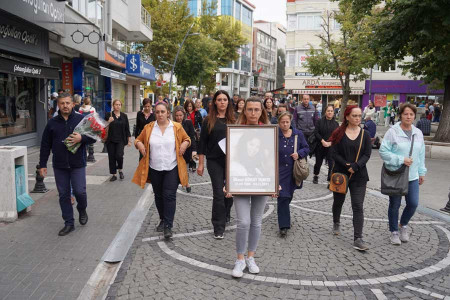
column 310, row 263
column 38, row 264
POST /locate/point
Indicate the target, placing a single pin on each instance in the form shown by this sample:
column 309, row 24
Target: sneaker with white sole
column 251, row 264
column 239, row 267
column 395, row 239
column 360, row 245
column 404, row 235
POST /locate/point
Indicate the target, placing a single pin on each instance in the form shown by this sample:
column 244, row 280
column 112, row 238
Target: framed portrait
column 252, row 159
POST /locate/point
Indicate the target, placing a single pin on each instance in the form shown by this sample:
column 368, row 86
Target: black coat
column 118, row 129
column 189, row 128
column 56, row 131
column 141, row 122
column 324, row 129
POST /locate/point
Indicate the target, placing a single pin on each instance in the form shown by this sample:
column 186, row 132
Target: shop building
column 237, row 77
column 264, row 62
column 25, row 70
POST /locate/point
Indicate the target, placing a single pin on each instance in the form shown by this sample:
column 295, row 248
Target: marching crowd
column 175, row 139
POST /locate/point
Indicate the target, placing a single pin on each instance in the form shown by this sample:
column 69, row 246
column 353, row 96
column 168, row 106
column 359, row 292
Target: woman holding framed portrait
column 249, row 207
column 351, row 149
column 287, row 154
column 213, row 131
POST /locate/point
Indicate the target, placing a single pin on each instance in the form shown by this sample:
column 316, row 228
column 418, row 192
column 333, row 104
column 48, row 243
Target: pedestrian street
column 310, row 263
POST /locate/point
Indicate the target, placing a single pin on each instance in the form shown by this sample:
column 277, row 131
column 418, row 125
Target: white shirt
column 163, row 155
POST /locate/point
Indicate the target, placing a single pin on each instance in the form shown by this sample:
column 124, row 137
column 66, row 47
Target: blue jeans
column 65, row 179
column 284, row 214
column 412, row 200
column 165, row 184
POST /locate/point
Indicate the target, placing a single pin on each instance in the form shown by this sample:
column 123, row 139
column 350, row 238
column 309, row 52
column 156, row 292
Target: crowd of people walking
column 172, row 140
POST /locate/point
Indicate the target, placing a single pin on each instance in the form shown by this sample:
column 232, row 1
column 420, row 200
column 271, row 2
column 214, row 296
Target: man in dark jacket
column 305, row 116
column 69, row 169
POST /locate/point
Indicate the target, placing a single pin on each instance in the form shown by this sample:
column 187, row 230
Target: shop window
column 224, row 79
column 17, row 105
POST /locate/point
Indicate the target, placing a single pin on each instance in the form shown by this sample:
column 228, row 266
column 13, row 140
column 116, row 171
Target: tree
column 344, row 54
column 280, row 68
column 419, row 29
column 170, row 22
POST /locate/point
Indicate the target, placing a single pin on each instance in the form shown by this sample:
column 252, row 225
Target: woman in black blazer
column 179, row 115
column 144, row 117
column 118, row 136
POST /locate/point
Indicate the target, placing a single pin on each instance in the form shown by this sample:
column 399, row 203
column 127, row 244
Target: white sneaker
column 239, row 267
column 404, row 235
column 395, row 240
column 251, row 264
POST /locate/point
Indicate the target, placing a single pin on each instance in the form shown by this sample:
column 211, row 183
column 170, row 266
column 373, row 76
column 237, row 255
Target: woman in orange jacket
column 162, row 145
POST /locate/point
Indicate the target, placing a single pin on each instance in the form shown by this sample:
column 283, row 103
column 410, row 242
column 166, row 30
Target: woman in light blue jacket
column 394, row 151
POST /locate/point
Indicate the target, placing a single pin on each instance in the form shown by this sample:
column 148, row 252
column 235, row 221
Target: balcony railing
column 146, row 18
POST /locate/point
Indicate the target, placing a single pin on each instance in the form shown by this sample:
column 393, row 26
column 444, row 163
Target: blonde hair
column 284, row 114
column 117, row 100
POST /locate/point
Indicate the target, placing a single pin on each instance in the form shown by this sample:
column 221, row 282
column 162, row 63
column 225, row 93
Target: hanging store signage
column 47, row 14
column 112, row 74
column 137, row 67
column 67, row 77
column 115, row 56
column 16, row 67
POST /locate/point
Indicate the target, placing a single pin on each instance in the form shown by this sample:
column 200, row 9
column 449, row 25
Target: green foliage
column 202, row 55
column 418, row 32
column 344, row 53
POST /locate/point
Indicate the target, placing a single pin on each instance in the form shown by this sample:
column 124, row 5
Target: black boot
column 316, row 179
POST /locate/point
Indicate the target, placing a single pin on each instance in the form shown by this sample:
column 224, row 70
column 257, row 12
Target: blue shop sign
column 138, row 68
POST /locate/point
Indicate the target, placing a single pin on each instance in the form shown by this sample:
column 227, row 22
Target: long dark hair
column 339, row 132
column 262, row 119
column 212, row 115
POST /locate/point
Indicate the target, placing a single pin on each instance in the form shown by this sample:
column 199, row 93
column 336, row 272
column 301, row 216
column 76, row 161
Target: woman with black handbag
column 403, row 144
column 324, row 128
column 351, row 149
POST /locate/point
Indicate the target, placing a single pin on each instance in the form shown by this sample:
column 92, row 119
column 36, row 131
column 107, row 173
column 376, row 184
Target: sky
column 270, row 10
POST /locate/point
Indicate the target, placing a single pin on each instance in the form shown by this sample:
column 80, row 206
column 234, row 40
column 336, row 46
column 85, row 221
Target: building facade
column 264, row 64
column 236, row 78
column 304, row 20
column 71, row 46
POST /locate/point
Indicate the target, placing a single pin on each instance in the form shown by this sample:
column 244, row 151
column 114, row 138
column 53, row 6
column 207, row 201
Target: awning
column 13, row 65
column 326, row 92
column 112, row 74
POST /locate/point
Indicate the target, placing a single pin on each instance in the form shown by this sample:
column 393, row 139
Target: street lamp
column 176, row 57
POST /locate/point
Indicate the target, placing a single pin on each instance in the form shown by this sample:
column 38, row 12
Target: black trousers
column 115, row 156
column 165, row 184
column 221, row 206
column 357, row 195
column 321, row 154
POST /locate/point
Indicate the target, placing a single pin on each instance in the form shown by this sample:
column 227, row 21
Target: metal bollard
column 39, row 187
column 91, row 157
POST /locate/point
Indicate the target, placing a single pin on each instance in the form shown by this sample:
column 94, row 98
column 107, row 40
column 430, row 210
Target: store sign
column 67, row 77
column 112, row 74
column 303, row 74
column 23, row 39
column 137, row 67
column 380, row 100
column 115, row 56
column 320, row 84
column 47, row 14
column 28, row 70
